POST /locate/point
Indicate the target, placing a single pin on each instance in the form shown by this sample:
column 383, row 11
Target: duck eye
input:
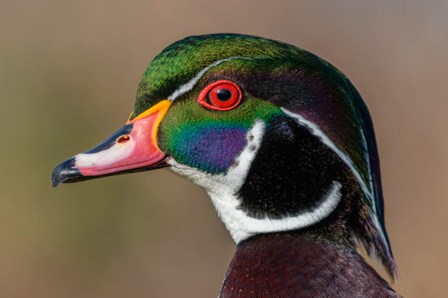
column 221, row 96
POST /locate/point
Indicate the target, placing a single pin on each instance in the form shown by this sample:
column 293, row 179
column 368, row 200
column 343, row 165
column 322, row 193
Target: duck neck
column 296, row 264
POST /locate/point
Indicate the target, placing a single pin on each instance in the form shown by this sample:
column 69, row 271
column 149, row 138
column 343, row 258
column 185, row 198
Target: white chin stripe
column 223, row 190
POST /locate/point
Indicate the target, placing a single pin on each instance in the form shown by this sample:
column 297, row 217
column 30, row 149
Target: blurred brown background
column 68, row 74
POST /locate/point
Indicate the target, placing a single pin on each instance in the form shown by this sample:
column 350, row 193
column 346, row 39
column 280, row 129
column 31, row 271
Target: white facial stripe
column 237, row 174
column 223, row 191
column 315, row 130
column 191, row 83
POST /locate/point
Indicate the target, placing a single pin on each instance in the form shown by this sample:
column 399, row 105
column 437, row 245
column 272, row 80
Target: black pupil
column 224, row 94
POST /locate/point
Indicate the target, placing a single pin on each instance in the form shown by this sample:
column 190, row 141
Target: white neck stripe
column 327, row 205
column 223, row 191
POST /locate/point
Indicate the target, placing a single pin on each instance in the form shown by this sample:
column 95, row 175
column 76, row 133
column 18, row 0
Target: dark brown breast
column 284, row 265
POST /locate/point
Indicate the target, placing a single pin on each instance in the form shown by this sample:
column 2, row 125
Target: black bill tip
column 65, row 173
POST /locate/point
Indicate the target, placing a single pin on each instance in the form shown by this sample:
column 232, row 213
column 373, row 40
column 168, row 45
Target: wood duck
column 283, row 144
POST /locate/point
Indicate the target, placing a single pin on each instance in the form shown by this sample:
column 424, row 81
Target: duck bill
column 133, row 148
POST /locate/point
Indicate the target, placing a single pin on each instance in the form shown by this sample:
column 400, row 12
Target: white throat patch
column 223, row 191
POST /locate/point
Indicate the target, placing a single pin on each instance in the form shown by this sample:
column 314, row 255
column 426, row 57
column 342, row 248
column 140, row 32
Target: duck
column 284, row 146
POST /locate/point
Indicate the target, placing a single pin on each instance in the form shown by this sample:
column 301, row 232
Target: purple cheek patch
column 212, row 149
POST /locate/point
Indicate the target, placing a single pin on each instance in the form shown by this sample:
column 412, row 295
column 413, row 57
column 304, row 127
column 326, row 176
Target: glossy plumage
column 291, row 165
column 291, row 265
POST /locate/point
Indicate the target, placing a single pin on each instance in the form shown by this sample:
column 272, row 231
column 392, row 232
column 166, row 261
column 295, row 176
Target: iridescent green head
column 279, row 138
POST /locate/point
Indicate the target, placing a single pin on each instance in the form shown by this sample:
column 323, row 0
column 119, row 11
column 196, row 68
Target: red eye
column 221, row 96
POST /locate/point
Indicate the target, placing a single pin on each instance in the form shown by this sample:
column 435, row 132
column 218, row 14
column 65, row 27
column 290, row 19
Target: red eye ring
column 221, row 95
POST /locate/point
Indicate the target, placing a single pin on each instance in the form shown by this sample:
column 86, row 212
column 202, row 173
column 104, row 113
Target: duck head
column 280, row 139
